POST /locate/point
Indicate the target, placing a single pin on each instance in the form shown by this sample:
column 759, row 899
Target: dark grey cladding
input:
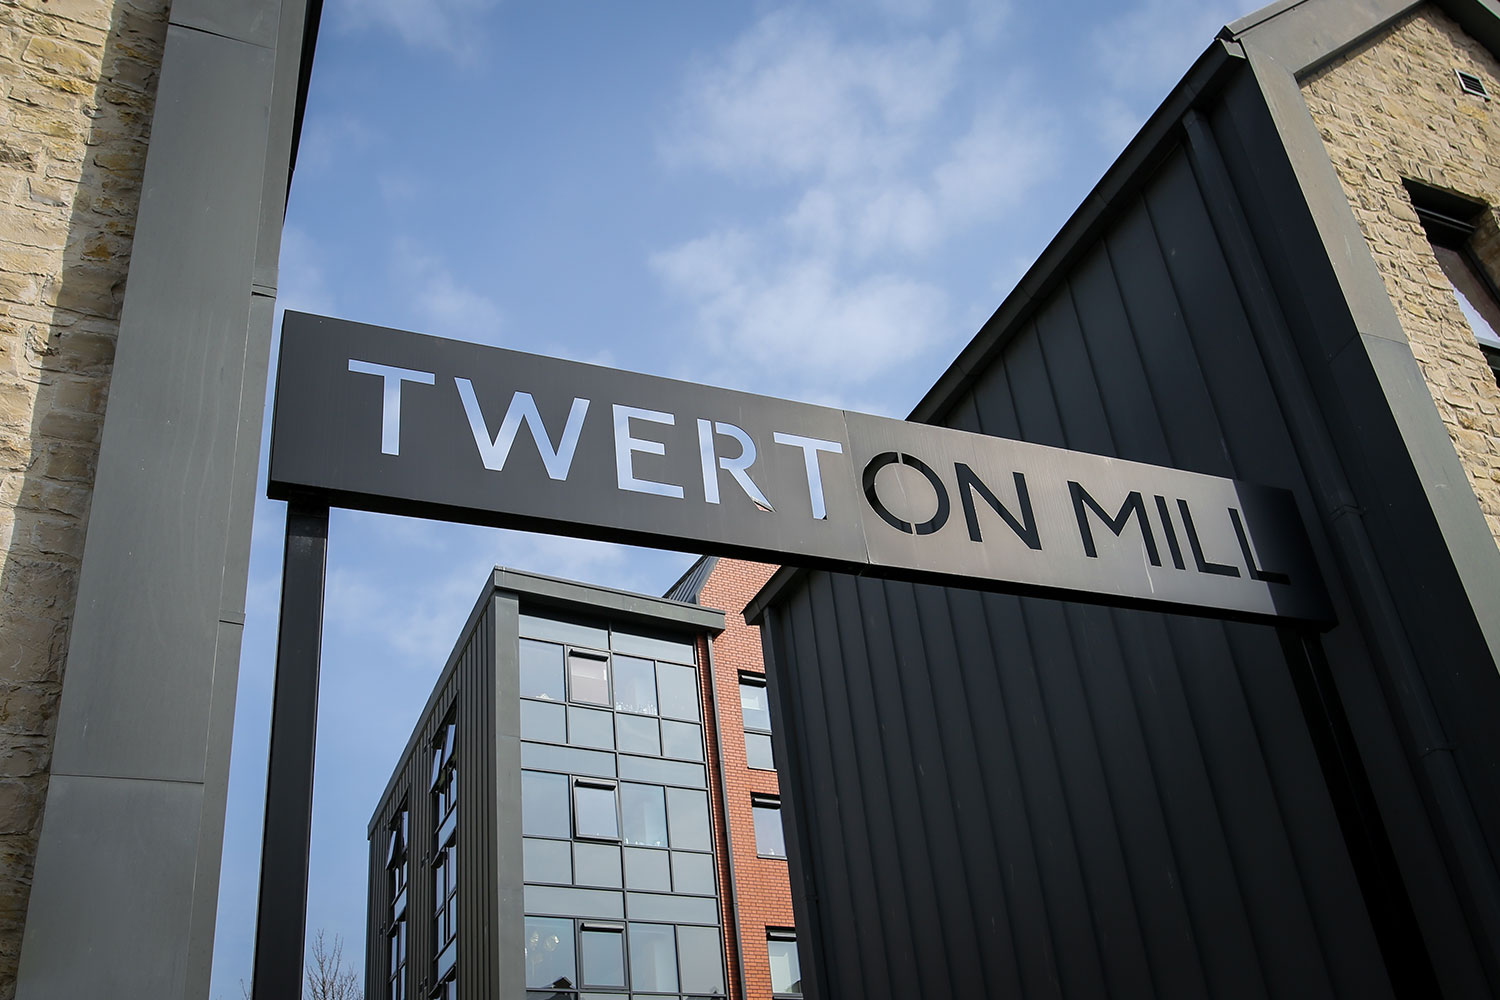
column 1010, row 796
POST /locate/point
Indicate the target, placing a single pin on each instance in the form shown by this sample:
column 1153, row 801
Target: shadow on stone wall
column 73, row 137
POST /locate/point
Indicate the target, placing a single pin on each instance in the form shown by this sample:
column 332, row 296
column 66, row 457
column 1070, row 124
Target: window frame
column 1448, row 222
column 749, row 678
column 784, row 934
column 602, row 927
column 772, row 802
column 596, row 784
column 444, row 793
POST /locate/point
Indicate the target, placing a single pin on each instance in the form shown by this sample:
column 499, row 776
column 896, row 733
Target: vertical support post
column 281, row 917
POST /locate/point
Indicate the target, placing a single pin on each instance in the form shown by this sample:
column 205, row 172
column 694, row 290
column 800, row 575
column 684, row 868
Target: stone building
column 145, row 151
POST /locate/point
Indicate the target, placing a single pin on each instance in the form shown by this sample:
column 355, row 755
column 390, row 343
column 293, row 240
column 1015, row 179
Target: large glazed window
column 620, row 880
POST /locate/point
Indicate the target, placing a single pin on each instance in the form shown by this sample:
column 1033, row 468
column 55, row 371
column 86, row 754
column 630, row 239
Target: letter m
column 1133, row 505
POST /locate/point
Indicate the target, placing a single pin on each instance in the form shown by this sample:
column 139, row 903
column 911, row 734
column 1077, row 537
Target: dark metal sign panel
column 378, row 419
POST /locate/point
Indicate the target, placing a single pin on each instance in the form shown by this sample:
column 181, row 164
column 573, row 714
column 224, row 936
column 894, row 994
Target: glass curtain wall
column 621, row 896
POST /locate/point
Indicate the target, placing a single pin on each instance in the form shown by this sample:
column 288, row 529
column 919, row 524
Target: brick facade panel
column 761, row 888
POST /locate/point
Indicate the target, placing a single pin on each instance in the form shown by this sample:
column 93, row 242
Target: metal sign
column 384, row 420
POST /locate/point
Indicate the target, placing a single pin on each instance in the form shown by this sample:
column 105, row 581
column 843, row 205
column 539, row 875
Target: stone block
column 60, row 57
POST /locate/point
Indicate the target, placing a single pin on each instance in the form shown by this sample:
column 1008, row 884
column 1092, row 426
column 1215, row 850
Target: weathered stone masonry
column 1393, row 109
column 77, row 89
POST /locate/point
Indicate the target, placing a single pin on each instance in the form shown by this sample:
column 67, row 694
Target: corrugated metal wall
column 468, row 691
column 1029, row 798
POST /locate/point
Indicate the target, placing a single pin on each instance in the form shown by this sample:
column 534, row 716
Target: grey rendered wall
column 126, row 885
column 1024, row 797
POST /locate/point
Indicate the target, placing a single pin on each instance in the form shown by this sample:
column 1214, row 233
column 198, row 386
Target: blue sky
column 816, row 202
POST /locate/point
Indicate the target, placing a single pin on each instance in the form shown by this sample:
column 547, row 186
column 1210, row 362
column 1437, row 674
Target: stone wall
column 77, row 89
column 1393, row 109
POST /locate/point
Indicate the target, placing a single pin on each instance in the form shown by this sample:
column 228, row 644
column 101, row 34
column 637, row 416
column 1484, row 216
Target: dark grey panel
column 255, row 23
column 1308, row 34
column 1020, row 795
column 106, row 898
column 137, row 700
column 380, row 419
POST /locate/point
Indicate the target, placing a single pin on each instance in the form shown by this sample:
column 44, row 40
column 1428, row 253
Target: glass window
column 1474, row 298
column 635, row 685
column 770, row 842
column 653, row 958
column 754, row 704
column 702, row 959
column 638, row 734
column 786, row 971
column 588, row 677
column 683, row 740
column 677, row 689
column 544, row 805
column 597, row 864
column 645, row 810
column 588, row 727
column 693, row 873
column 541, row 721
column 594, row 813
column 546, row 861
column 549, row 953
column 603, row 951
column 758, row 752
column 541, row 670
column 687, row 818
column 647, row 870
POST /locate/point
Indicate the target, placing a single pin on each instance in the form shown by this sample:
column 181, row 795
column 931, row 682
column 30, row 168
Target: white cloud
column 444, row 305
column 1149, row 46
column 802, row 319
column 885, row 152
column 449, row 26
column 790, row 99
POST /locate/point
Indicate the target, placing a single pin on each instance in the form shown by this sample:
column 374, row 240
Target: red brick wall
column 760, row 884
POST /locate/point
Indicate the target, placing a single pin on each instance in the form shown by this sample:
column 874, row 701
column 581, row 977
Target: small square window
column 635, row 685
column 786, row 969
column 603, row 951
column 754, row 704
column 594, row 812
column 541, row 670
column 770, row 840
column 588, row 677
column 549, row 953
column 758, row 752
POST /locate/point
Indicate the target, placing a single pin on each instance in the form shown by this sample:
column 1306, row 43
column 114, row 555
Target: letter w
column 493, row 453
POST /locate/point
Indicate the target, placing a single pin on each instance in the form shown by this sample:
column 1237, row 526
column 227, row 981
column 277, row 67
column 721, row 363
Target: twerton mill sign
column 384, row 420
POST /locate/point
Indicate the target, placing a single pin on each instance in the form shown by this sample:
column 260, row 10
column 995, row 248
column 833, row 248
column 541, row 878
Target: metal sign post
column 281, row 920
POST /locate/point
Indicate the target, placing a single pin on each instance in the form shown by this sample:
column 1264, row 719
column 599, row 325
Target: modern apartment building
column 647, row 855
column 548, row 830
